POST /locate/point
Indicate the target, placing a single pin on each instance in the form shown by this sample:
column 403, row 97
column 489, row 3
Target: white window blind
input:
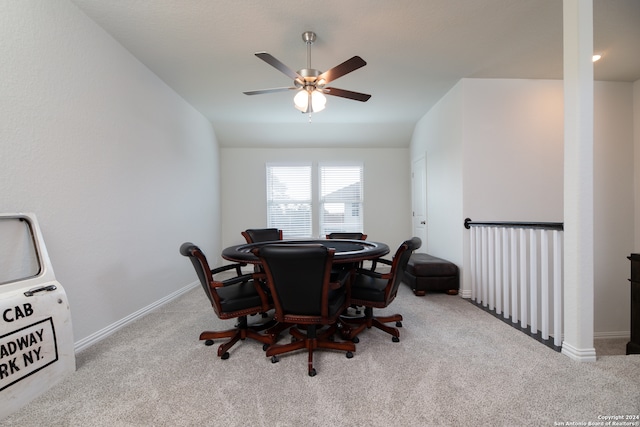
column 340, row 198
column 289, row 199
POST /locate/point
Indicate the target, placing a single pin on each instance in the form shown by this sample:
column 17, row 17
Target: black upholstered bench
column 428, row 273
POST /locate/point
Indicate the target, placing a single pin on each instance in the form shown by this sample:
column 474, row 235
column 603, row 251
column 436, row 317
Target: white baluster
column 472, row 259
column 523, row 278
column 557, row 289
column 514, row 276
column 498, row 271
column 533, row 280
column 479, row 265
column 505, row 271
column 485, row 268
column 490, row 270
column 544, row 283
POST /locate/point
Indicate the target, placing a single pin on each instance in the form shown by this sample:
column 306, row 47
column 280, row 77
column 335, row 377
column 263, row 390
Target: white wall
column 614, row 206
column 513, row 150
column 512, row 163
column 387, row 188
column 438, row 136
column 118, row 168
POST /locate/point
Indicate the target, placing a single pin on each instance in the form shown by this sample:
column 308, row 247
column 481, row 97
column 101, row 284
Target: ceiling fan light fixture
column 311, row 83
column 309, row 101
column 318, row 100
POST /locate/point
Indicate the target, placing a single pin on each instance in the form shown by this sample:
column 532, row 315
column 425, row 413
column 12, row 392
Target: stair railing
column 516, row 274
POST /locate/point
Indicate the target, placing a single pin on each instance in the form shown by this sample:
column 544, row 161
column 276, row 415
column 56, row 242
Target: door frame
column 419, row 225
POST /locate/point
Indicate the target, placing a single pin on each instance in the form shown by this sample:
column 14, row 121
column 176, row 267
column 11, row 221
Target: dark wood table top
column 346, row 250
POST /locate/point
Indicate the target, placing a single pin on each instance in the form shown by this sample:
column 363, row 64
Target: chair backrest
column 399, row 264
column 298, row 277
column 352, row 236
column 255, row 235
column 200, row 264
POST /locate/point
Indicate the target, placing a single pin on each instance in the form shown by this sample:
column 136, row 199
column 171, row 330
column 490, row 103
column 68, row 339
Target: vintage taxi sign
column 36, row 337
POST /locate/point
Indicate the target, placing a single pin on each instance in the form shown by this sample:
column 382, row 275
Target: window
column 340, row 198
column 289, row 199
column 295, row 207
column 19, row 258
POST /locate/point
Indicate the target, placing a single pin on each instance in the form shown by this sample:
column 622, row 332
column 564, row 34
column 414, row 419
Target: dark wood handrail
column 468, row 223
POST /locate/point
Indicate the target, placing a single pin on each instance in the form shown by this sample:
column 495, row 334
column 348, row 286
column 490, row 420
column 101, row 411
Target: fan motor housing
column 310, row 75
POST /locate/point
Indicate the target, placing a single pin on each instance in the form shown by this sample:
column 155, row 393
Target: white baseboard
column 579, row 354
column 105, row 332
column 605, row 335
column 466, row 293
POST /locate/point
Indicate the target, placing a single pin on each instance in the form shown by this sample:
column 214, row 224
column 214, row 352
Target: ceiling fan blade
column 271, row 60
column 273, row 90
column 356, row 96
column 340, row 70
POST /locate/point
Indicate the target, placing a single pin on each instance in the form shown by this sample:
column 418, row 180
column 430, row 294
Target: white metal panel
column 36, row 338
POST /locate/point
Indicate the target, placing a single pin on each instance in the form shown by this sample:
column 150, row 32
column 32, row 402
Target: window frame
column 349, row 203
column 317, row 202
column 273, row 221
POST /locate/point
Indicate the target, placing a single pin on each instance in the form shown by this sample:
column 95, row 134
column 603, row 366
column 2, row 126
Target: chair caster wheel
column 399, row 324
column 355, row 340
column 349, row 355
column 274, row 359
column 225, row 356
column 312, row 372
column 265, row 347
column 395, row 339
column 208, row 342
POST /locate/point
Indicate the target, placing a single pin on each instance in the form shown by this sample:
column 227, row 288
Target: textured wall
column 118, row 169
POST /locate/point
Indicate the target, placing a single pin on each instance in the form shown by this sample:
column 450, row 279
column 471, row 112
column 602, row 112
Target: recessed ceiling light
column 596, row 57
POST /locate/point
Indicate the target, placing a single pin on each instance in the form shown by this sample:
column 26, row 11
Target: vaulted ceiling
column 415, row 50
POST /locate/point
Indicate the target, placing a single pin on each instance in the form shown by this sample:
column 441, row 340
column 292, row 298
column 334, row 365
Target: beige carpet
column 454, row 366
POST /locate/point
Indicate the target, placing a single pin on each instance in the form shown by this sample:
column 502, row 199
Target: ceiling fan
column 311, row 83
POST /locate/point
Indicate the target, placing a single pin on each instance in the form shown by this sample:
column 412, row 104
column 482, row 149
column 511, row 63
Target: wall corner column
column 578, row 181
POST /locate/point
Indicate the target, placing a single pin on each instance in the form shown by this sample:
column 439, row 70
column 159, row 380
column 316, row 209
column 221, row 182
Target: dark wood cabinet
column 633, row 346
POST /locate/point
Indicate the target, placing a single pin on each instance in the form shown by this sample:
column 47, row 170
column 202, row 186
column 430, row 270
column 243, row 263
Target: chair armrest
column 376, row 274
column 237, row 279
column 237, row 267
column 374, row 263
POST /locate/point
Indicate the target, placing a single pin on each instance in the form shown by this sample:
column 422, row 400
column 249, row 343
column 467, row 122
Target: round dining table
column 346, row 250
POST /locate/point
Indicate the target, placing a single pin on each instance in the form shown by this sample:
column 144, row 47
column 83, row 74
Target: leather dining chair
column 352, row 236
column 373, row 289
column 236, row 297
column 255, row 235
column 299, row 278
